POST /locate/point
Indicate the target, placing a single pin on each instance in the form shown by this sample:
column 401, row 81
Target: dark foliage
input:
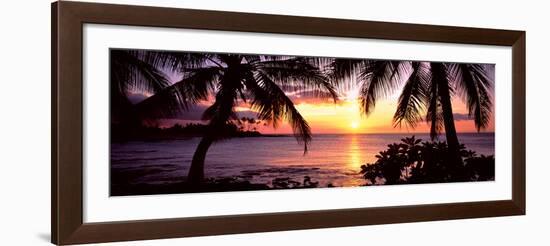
column 413, row 161
column 121, row 133
column 130, row 73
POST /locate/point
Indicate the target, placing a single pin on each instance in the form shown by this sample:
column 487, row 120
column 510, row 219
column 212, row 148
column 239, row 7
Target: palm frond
column 474, row 85
column 298, row 75
column 344, row 69
column 252, row 59
column 130, row 73
column 378, row 79
column 178, row 61
column 413, row 97
column 319, row 62
column 222, row 111
column 229, row 88
column 196, row 86
column 273, row 106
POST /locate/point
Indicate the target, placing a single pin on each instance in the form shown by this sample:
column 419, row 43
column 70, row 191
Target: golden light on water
column 355, row 155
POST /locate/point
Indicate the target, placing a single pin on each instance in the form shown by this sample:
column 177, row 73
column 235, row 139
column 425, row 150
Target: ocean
column 331, row 159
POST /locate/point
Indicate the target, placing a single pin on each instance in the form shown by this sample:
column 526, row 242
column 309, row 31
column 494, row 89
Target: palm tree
column 428, row 88
column 232, row 79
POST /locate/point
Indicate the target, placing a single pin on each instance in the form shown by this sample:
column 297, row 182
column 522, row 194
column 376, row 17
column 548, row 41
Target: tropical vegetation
column 428, row 88
column 263, row 82
column 230, row 79
column 415, row 161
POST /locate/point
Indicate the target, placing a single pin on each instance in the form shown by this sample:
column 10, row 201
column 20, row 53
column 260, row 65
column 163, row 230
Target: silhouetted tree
column 428, row 88
column 258, row 80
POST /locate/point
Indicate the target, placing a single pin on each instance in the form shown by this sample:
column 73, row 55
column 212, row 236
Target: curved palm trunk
column 223, row 106
column 196, row 171
column 450, row 130
column 440, row 73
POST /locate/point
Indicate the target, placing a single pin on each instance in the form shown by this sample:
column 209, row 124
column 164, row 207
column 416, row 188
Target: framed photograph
column 174, row 122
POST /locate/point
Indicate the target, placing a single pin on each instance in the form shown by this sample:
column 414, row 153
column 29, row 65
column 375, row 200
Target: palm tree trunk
column 196, row 171
column 448, row 121
column 439, row 73
column 450, row 130
column 223, row 106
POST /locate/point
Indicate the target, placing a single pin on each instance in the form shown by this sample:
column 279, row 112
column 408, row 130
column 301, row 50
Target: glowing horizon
column 345, row 117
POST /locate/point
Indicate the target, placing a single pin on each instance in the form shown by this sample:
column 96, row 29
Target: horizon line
column 363, row 133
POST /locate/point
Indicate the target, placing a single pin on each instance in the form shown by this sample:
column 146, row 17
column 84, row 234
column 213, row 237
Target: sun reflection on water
column 355, row 155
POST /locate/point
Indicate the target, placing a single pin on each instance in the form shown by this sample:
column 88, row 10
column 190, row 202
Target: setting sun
column 354, row 125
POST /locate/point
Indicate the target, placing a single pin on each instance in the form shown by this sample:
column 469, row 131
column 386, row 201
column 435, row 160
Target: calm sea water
column 334, row 159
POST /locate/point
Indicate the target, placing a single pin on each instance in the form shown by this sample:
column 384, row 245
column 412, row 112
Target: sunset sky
column 324, row 116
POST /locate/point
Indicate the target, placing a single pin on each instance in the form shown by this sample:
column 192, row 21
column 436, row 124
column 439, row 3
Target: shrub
column 414, row 161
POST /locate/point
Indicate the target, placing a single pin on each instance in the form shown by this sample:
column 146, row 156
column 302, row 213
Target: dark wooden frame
column 67, row 206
